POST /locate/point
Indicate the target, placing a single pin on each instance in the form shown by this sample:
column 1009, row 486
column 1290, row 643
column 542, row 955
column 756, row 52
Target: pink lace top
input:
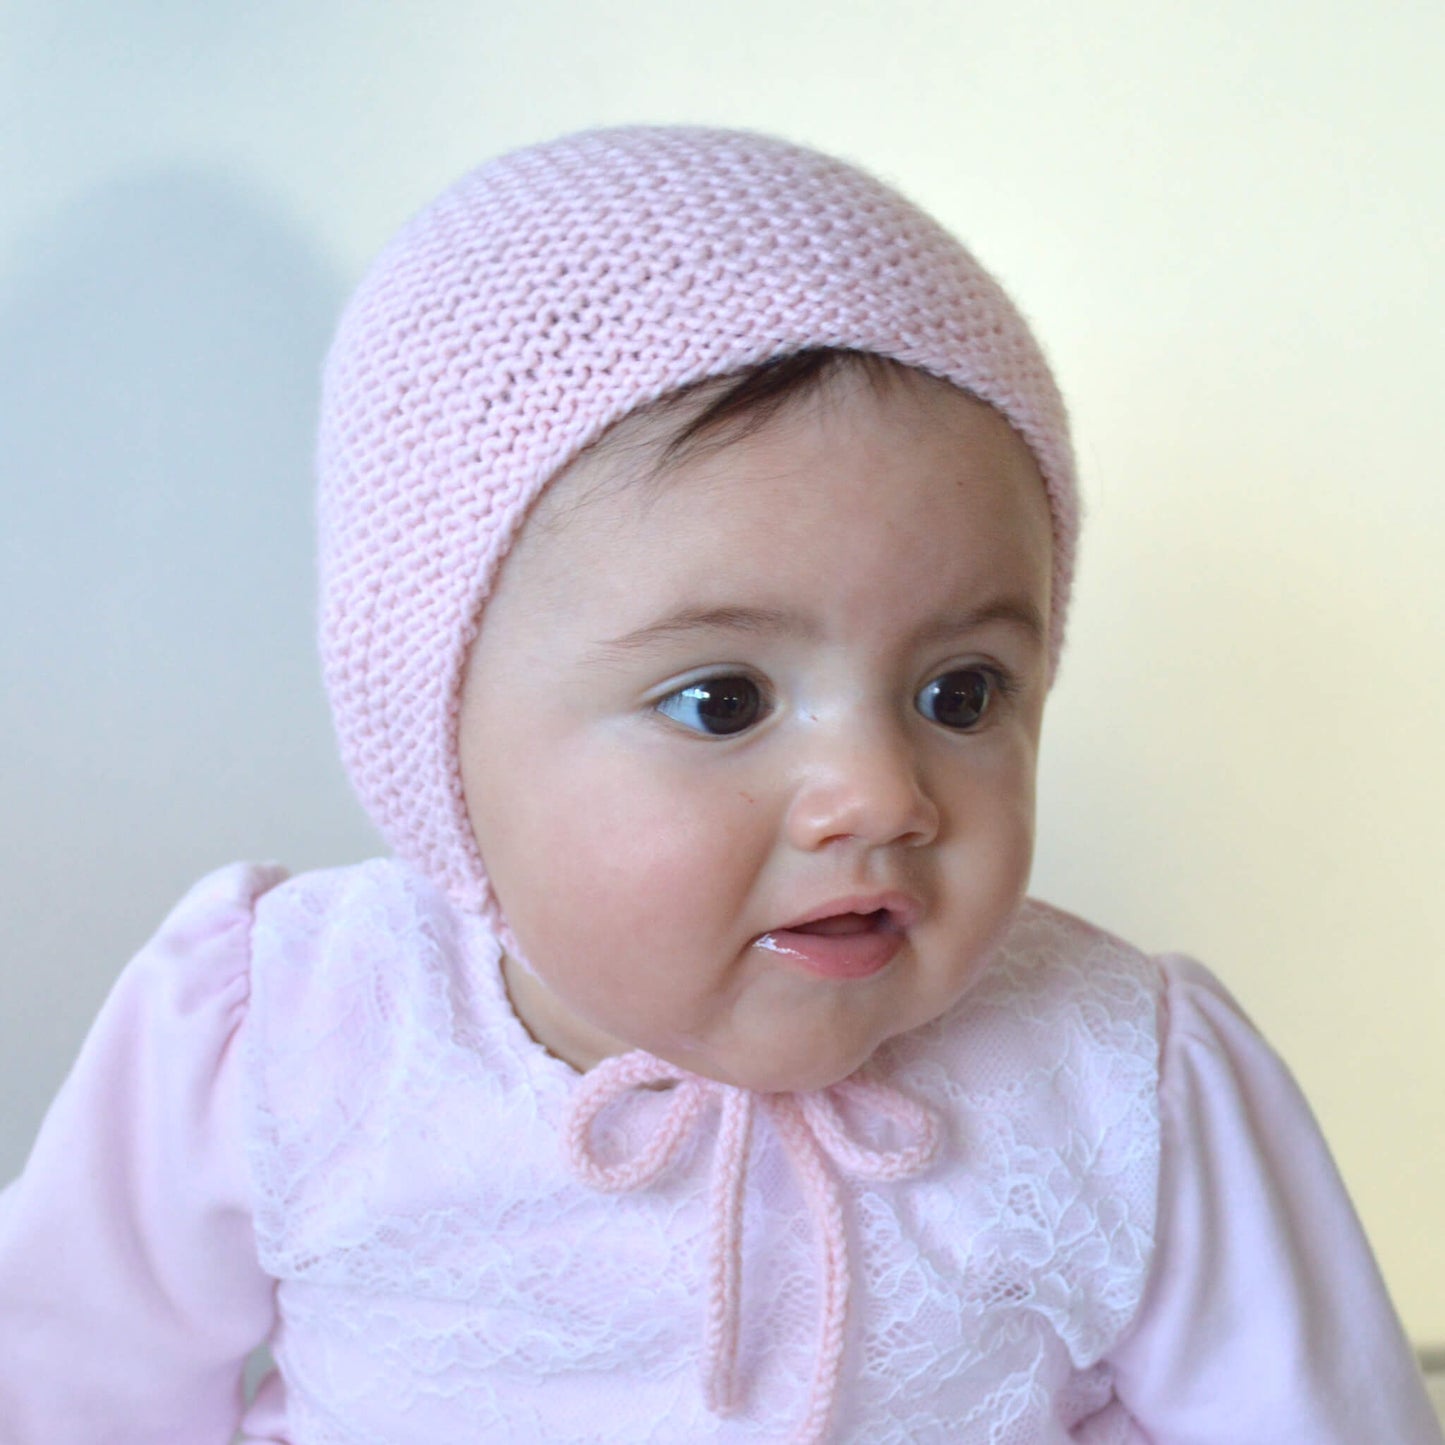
column 1089, row 1205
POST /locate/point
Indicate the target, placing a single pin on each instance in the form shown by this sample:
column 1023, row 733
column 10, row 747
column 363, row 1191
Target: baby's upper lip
column 904, row 910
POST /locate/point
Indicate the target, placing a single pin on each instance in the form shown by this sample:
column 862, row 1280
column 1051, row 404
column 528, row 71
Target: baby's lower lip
column 836, row 955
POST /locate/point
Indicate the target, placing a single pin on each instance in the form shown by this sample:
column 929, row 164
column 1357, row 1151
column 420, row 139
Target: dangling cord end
column 729, row 1178
column 827, row 1211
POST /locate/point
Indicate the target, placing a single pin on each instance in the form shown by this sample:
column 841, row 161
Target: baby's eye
column 717, row 706
column 958, row 699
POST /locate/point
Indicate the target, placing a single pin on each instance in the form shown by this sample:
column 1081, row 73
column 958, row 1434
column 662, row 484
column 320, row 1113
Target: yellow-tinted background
column 1224, row 219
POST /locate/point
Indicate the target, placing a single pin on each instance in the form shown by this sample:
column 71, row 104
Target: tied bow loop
column 612, row 1081
column 813, row 1131
column 919, row 1126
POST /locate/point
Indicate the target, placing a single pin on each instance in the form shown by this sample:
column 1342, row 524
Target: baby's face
column 749, row 749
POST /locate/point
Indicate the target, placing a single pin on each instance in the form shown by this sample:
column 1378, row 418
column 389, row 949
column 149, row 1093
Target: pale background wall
column 1225, row 220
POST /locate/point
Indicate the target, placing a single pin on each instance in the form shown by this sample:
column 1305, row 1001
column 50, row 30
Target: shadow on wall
column 160, row 343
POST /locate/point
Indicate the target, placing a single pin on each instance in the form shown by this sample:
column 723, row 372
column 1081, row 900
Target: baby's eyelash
column 717, row 707
column 964, row 707
column 1007, row 684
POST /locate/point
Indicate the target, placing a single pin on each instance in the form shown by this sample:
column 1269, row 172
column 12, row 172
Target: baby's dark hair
column 753, row 397
column 714, row 412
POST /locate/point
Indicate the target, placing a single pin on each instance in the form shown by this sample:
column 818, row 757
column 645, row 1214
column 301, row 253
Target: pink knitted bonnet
column 534, row 303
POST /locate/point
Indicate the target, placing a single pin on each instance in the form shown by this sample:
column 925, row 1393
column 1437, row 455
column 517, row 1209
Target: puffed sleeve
column 130, row 1292
column 1266, row 1321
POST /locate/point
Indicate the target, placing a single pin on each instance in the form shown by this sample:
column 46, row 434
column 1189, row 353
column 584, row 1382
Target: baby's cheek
column 997, row 820
column 622, row 872
column 644, row 835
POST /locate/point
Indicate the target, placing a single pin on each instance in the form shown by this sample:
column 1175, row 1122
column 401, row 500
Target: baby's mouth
column 848, row 944
column 840, row 924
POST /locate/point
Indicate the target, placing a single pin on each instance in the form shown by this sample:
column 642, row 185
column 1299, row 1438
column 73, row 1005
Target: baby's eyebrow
column 1020, row 612
column 689, row 621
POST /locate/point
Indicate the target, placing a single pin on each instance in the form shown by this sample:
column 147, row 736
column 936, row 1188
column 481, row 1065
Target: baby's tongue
column 839, row 923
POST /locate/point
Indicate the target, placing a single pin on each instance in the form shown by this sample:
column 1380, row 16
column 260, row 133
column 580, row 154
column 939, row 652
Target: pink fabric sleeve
column 1266, row 1321
column 130, row 1293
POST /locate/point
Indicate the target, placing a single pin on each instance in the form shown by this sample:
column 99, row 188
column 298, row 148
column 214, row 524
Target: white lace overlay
column 443, row 1276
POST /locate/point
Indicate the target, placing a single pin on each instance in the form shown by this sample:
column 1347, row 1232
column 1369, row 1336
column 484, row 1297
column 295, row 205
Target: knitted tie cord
column 813, row 1133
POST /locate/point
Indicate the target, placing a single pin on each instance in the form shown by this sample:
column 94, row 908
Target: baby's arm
column 130, row 1293
column 1266, row 1319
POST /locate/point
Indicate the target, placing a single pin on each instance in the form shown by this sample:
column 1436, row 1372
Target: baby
column 697, row 528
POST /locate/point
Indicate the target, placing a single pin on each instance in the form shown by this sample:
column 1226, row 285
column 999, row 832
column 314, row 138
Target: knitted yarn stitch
column 534, row 303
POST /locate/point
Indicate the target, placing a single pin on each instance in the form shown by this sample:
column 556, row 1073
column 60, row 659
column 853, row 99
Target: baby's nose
column 865, row 785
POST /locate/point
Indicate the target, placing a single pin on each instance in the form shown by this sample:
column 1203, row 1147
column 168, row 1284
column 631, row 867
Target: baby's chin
column 772, row 1066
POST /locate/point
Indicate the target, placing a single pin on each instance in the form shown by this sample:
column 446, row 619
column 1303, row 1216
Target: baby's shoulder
column 1062, row 1006
column 1044, row 929
column 324, row 900
column 332, row 922
column 369, row 939
column 365, row 981
column 1050, row 960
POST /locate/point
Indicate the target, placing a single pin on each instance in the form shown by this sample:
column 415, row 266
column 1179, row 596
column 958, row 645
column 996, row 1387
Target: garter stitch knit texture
column 534, row 303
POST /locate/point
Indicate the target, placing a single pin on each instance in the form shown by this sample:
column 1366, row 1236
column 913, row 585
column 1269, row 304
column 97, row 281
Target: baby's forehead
column 653, row 442
column 904, row 463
